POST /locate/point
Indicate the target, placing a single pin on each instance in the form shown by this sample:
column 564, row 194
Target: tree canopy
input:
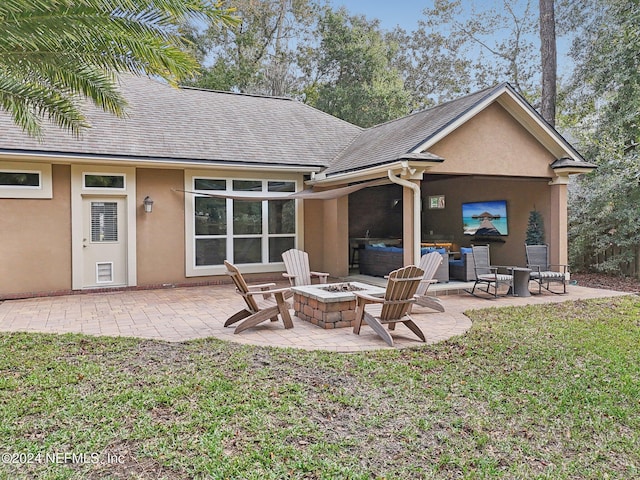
column 605, row 99
column 261, row 53
column 355, row 78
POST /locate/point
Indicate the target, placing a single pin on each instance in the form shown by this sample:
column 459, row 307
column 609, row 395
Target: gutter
column 417, row 227
column 73, row 158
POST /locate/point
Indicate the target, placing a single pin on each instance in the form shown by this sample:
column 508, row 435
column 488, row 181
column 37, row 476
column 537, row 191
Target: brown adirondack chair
column 263, row 302
column 298, row 272
column 429, row 262
column 393, row 307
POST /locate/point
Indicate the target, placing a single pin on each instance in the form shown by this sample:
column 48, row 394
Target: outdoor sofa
column 379, row 260
column 462, row 268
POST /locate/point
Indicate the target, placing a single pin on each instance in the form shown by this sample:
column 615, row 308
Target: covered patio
column 188, row 313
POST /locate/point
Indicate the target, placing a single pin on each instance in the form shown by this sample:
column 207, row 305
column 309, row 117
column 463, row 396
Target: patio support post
column 412, row 228
column 558, row 237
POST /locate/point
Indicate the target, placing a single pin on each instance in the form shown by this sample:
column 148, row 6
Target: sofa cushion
column 425, row 250
column 462, row 268
column 381, row 247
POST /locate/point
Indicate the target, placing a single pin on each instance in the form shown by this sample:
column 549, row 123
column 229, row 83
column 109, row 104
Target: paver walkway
column 182, row 314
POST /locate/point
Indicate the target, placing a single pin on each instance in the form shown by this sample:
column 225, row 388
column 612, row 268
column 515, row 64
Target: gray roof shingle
column 192, row 124
column 189, row 124
column 391, row 140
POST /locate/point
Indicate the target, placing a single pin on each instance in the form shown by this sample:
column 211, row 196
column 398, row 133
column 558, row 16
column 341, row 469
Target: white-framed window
column 25, row 180
column 245, row 232
column 104, row 181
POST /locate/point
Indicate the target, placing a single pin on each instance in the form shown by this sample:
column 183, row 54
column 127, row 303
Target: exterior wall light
column 148, row 204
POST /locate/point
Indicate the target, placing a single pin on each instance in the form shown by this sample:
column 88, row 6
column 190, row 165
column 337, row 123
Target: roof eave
column 565, row 163
column 72, row 158
column 403, row 163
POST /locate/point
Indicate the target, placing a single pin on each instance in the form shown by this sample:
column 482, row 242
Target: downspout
column 417, row 227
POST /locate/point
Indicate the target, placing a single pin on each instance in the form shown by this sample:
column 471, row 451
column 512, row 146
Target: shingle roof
column 566, row 162
column 192, row 124
column 189, row 124
column 391, row 140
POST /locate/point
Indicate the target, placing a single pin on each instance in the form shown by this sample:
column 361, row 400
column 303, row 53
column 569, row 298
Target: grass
column 531, row 392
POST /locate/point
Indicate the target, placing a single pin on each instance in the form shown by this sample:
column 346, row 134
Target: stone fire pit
column 330, row 305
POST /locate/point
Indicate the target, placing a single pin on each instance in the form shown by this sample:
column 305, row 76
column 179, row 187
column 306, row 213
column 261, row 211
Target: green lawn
column 538, row 392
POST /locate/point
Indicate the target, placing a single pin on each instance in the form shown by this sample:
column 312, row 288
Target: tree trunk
column 549, row 61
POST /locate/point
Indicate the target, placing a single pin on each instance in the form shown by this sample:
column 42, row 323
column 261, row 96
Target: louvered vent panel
column 104, row 272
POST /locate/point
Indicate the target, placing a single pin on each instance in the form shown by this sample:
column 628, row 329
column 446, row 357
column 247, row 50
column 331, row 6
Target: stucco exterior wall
column 160, row 245
column 35, row 240
column 493, row 143
column 490, row 157
column 522, row 196
column 161, row 249
column 326, row 235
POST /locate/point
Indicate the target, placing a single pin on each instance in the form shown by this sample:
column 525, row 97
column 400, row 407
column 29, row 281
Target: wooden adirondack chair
column 263, row 302
column 429, row 262
column 487, row 273
column 298, row 272
column 542, row 271
column 393, row 307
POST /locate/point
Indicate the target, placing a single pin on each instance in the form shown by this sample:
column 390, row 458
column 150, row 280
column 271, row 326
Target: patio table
column 521, row 277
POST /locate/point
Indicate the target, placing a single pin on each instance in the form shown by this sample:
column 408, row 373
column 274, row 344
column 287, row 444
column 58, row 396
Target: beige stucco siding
column 492, row 143
column 160, row 246
column 35, row 240
column 326, row 234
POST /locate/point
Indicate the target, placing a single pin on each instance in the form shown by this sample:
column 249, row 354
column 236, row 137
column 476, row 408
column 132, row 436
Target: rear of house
column 73, row 209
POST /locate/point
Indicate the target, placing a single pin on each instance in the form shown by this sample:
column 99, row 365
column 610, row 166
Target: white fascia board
column 541, row 130
column 371, row 173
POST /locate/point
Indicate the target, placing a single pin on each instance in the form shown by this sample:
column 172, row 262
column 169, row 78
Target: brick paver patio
column 181, row 314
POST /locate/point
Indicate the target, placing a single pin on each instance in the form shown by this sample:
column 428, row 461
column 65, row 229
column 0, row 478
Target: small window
column 282, row 186
column 25, row 180
column 104, row 222
column 20, row 179
column 247, row 185
column 209, row 184
column 210, row 216
column 92, row 180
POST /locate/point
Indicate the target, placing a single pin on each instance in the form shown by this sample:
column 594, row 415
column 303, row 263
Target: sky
column 389, row 12
column 406, row 13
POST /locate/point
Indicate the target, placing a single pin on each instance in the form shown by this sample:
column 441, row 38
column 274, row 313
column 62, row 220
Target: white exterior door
column 104, row 242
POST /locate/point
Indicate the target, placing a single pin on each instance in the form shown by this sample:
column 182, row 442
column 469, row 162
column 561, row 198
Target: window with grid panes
column 243, row 231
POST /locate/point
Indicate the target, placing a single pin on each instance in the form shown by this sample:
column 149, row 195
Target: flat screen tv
column 485, row 219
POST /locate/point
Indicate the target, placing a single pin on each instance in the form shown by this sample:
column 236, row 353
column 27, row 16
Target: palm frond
column 53, row 51
column 30, row 102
